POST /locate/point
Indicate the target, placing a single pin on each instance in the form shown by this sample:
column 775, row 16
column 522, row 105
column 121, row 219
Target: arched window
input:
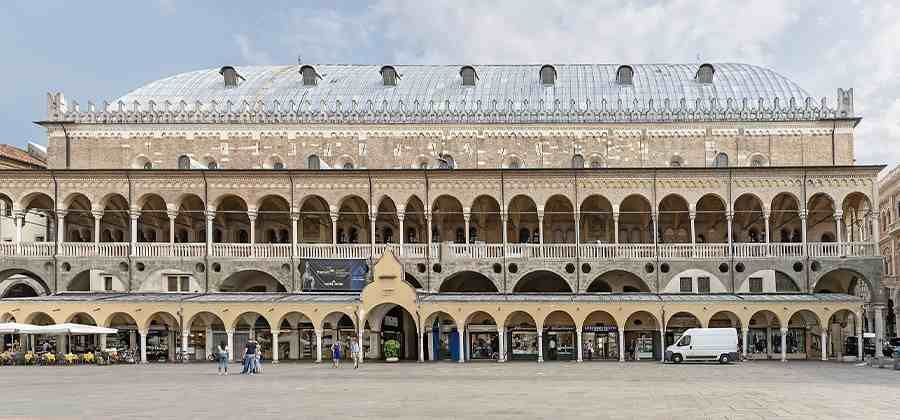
column 278, row 165
column 446, row 161
column 389, row 76
column 548, row 75
column 705, row 73
column 514, row 163
column 578, row 161
column 597, row 162
column 148, row 165
column 310, row 76
column 348, row 165
column 184, row 162
column 212, row 164
column 722, row 160
column 757, row 161
column 312, row 162
column 468, row 75
column 423, row 164
column 231, row 76
column 676, row 162
column 624, row 75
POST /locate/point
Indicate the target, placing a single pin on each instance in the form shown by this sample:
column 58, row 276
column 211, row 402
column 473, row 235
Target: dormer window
column 310, row 76
column 468, row 75
column 389, row 76
column 624, row 75
column 231, row 76
column 705, row 73
column 548, row 75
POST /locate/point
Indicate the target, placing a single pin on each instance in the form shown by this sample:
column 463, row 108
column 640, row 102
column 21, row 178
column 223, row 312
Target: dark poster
column 337, row 275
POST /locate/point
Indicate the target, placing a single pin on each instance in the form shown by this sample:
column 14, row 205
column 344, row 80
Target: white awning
column 70, row 328
column 13, row 327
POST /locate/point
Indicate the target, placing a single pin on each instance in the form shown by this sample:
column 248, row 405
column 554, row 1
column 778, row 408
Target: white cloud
column 250, row 54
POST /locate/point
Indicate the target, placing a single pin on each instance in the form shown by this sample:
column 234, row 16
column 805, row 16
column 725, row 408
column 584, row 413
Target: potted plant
column 392, row 350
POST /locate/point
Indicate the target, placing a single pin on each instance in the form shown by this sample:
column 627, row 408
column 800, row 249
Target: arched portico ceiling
column 542, row 281
column 468, row 282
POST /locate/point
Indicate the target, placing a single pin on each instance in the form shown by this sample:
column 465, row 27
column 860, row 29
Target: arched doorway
column 161, row 342
column 448, row 222
column 674, row 221
column 273, row 220
column 596, row 220
column 353, row 224
column 80, row 344
column 785, row 221
column 559, row 337
column 764, row 336
column 559, row 221
column 844, row 327
column 315, row 221
column 677, row 324
column 728, row 319
column 600, row 336
column 523, row 221
column 206, row 333
column 542, row 281
column 484, row 223
column 392, row 323
column 468, row 282
column 642, row 340
column 442, row 337
column 635, row 226
column 126, row 339
column 522, row 336
column 482, row 338
column 252, row 325
column 297, row 337
column 804, row 336
column 749, row 221
column 337, row 327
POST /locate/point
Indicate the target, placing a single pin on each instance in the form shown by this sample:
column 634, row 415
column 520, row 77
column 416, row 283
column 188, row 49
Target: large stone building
column 518, row 212
column 889, row 220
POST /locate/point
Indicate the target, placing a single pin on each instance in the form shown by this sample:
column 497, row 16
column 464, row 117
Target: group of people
column 253, row 355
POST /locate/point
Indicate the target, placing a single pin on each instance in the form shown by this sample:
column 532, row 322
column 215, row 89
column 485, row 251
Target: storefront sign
column 349, row 275
column 391, row 321
column 600, row 328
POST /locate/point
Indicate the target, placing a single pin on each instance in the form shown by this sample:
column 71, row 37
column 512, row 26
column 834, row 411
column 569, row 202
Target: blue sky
column 100, row 50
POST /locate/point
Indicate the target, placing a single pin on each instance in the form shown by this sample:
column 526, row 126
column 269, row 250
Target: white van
column 705, row 344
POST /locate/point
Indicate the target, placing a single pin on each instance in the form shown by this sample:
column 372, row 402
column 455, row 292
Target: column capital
column 729, row 214
column 134, row 214
column 185, row 333
column 252, row 214
column 803, row 214
column 767, row 214
column 401, row 216
column 172, row 214
column 229, row 331
column 210, row 215
column 275, row 333
column 692, row 214
column 838, row 214
column 99, row 213
column 784, row 330
column 295, row 216
column 334, row 216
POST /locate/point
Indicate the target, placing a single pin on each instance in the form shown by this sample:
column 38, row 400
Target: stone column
column 421, row 347
column 838, row 217
column 428, row 238
column 615, row 227
column 577, row 229
column 18, row 218
column 578, row 343
column 359, row 341
column 540, row 229
column 693, row 216
column 824, row 346
column 134, row 215
column 231, row 350
column 467, row 215
column 295, row 217
column 803, row 215
column 784, row 332
column 252, row 214
column 621, row 345
column 275, row 346
column 654, row 216
column 745, row 331
column 879, row 330
column 400, row 217
column 60, row 226
column 462, row 344
column 61, row 344
column 143, row 346
column 729, row 218
column 208, row 345
column 334, row 220
column 172, row 214
column 859, row 337
column 540, row 340
column 185, row 337
column 503, row 229
column 501, row 332
column 98, row 214
column 318, row 346
column 372, row 236
column 210, row 215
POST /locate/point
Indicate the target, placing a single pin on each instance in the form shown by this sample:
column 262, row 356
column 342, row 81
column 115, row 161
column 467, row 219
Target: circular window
column 436, row 268
column 217, row 267
column 513, row 268
column 815, row 266
column 66, row 266
column 585, row 268
column 648, row 267
column 420, row 267
column 570, row 268
column 123, row 266
column 798, row 266
column 739, row 267
column 284, row 267
column 664, row 268
column 723, row 268
column 140, row 266
column 497, row 268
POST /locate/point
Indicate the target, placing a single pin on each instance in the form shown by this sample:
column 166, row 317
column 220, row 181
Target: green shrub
column 391, row 348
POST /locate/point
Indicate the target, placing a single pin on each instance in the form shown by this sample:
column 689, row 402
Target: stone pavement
column 517, row 390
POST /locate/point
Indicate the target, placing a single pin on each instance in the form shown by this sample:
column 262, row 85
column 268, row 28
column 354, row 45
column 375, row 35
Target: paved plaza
column 757, row 390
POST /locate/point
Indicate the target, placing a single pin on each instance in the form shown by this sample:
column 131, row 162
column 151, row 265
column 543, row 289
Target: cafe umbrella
column 70, row 329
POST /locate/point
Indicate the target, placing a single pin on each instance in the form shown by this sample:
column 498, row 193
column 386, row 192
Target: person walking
column 249, row 357
column 222, row 354
column 336, row 354
column 355, row 352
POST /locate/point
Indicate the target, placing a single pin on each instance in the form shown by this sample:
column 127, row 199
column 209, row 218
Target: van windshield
column 685, row 341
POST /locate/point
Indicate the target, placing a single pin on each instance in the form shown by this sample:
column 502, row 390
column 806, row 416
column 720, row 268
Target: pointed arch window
column 312, row 162
column 722, row 160
column 184, row 162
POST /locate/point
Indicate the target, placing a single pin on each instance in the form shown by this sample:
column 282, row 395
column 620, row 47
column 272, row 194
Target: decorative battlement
column 434, row 112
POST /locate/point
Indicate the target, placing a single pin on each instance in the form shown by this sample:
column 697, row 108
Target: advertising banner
column 335, row 275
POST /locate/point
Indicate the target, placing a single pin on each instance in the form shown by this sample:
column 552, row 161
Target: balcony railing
column 478, row 251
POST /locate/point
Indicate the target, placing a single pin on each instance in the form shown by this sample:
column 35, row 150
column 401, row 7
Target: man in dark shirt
column 249, row 356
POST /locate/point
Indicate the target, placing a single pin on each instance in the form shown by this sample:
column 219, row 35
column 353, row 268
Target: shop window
column 703, row 284
column 686, row 285
column 107, row 283
column 756, row 285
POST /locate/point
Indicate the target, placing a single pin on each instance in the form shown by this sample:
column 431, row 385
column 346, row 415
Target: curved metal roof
column 438, row 88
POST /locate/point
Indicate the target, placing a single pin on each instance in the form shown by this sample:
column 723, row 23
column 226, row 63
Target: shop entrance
column 600, row 337
column 338, row 327
column 483, row 340
column 764, row 336
column 522, row 337
column 677, row 325
column 642, row 340
column 398, row 326
column 559, row 337
column 441, row 338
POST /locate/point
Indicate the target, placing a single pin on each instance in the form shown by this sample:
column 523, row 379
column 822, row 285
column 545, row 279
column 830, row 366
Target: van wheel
column 724, row 359
column 676, row 358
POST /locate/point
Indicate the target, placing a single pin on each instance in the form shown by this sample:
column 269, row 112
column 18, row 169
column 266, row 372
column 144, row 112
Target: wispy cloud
column 250, row 54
